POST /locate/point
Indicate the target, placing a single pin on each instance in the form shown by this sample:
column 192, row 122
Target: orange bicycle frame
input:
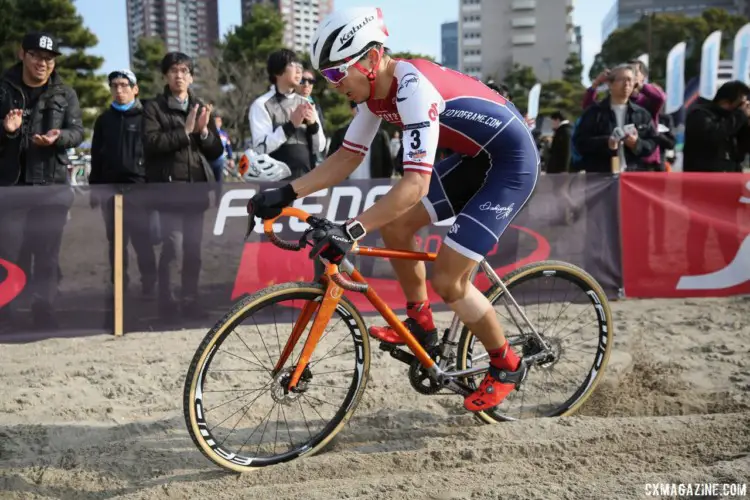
column 334, row 291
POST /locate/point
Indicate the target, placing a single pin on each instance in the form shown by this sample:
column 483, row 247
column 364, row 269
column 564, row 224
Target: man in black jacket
column 117, row 158
column 179, row 140
column 41, row 118
column 595, row 138
column 559, row 151
column 716, row 131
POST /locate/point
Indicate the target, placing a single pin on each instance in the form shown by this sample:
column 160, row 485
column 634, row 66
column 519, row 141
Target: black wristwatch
column 355, row 229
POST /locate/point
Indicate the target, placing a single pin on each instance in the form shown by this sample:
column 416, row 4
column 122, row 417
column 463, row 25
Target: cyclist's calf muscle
column 472, row 306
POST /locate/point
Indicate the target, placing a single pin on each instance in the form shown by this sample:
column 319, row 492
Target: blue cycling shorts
column 484, row 192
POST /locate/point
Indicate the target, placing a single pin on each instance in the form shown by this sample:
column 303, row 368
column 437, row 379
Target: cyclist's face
column 356, row 87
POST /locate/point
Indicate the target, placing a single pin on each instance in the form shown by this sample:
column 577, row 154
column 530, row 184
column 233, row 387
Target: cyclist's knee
column 449, row 287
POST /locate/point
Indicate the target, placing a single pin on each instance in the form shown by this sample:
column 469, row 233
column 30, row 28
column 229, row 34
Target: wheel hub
column 532, row 347
column 280, row 386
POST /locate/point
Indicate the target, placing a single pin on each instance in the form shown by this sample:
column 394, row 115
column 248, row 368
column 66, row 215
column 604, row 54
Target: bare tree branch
column 231, row 87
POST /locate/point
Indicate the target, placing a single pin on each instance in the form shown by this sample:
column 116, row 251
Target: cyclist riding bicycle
column 484, row 184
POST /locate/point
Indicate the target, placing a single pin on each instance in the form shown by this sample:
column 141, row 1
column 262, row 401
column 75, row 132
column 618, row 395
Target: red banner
column 686, row 234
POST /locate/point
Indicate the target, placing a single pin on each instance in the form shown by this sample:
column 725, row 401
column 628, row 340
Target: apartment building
column 189, row 26
column 301, row 18
column 495, row 34
column 626, row 12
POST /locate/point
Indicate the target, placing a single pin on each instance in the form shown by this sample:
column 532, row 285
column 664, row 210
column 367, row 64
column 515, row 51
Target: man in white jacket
column 283, row 123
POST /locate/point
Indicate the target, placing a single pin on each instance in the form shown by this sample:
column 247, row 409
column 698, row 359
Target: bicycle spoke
column 241, row 404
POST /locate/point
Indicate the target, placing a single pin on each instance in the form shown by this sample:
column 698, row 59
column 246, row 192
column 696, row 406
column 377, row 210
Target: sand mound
column 101, row 418
column 650, row 388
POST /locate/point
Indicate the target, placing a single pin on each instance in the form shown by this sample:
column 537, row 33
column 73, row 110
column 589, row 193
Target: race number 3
column 417, row 140
column 45, row 42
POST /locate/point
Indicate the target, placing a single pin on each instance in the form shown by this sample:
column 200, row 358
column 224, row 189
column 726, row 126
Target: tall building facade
column 189, row 26
column 449, row 45
column 626, row 12
column 301, row 18
column 495, row 34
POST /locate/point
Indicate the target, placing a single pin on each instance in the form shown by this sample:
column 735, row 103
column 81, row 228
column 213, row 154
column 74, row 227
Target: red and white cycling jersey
column 436, row 107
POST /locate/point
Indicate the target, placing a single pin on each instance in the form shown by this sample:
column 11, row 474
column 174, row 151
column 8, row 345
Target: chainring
column 419, row 377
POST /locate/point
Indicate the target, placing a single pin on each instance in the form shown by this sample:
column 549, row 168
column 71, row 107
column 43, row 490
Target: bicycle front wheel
column 238, row 409
column 570, row 311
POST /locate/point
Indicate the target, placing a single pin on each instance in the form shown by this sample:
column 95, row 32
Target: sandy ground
column 101, row 418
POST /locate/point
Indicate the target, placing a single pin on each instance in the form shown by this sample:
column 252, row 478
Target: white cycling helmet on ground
column 343, row 37
column 261, row 167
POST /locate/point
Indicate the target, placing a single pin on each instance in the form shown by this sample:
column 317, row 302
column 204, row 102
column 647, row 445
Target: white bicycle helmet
column 261, row 167
column 345, row 36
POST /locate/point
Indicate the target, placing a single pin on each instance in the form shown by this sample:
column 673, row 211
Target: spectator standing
column 395, row 143
column 594, row 137
column 646, row 95
column 283, row 123
column 377, row 163
column 41, row 120
column 117, row 158
column 716, row 130
column 227, row 158
column 180, row 140
column 559, row 152
column 716, row 140
column 306, row 87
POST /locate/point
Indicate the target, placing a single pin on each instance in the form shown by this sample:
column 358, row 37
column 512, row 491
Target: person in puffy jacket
column 41, row 120
column 180, row 141
column 117, row 158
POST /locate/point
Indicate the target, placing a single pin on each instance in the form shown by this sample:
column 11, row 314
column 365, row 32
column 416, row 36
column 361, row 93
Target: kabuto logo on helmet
column 348, row 38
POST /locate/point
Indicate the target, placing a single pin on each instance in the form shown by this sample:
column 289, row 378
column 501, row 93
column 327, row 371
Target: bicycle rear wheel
column 238, row 409
column 570, row 311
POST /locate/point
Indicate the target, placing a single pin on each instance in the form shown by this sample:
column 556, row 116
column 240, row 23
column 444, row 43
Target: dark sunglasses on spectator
column 305, row 81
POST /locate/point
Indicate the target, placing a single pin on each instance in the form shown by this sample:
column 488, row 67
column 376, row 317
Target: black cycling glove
column 334, row 245
column 268, row 204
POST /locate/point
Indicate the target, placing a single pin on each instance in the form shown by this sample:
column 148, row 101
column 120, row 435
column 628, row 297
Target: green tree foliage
column 573, row 69
column 561, row 95
column 147, row 66
column 411, row 55
column 564, row 95
column 60, row 18
column 519, row 81
column 256, row 39
column 667, row 30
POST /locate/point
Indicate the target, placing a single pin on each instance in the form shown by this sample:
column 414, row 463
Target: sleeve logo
column 407, row 86
column 433, row 113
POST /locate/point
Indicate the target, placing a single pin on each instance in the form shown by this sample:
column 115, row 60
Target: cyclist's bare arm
column 404, row 195
column 418, row 105
column 331, row 172
column 346, row 159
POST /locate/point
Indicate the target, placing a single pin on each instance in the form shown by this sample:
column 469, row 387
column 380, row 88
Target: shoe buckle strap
column 510, row 377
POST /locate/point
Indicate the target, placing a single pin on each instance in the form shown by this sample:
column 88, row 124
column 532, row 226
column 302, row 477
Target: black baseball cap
column 41, row 41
